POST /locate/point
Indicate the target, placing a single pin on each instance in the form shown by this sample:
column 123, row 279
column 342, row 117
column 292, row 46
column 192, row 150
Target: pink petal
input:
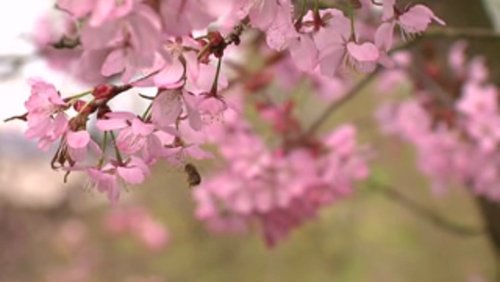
column 131, row 175
column 60, row 125
column 170, row 75
column 194, row 116
column 110, row 124
column 417, row 18
column 366, row 52
column 304, row 53
column 331, row 63
column 167, row 107
column 114, row 63
column 388, row 9
column 101, row 12
column 78, row 139
column 384, row 36
column 77, row 8
column 141, row 128
column 196, row 152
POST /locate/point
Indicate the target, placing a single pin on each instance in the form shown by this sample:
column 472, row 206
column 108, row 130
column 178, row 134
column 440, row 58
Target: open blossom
column 134, row 133
column 131, row 42
column 412, row 20
column 46, row 119
column 272, row 17
column 170, row 104
column 109, row 178
column 78, row 144
column 337, row 46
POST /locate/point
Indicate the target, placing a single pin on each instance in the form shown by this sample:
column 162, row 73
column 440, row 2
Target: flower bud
column 356, row 4
column 84, row 107
column 103, row 91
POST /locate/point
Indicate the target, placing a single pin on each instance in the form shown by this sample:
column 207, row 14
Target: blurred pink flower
column 138, row 222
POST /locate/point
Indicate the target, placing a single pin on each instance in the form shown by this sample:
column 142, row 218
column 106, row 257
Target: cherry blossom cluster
column 194, row 55
column 140, row 142
column 455, row 126
column 277, row 188
column 138, row 36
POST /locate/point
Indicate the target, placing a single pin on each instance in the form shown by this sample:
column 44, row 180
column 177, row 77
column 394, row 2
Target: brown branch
column 353, row 92
column 427, row 214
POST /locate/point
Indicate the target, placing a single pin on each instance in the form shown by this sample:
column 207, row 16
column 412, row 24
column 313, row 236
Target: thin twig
column 427, row 214
column 340, row 102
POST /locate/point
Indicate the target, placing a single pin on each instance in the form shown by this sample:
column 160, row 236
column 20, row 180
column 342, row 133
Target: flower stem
column 213, row 90
column 146, row 113
column 117, row 151
column 104, row 146
column 351, row 17
column 74, row 98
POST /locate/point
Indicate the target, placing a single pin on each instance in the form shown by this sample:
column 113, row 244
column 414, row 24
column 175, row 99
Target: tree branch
column 431, row 34
column 426, row 213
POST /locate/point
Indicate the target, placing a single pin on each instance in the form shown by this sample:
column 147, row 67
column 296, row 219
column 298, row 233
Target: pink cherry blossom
column 277, row 189
column 363, row 56
column 138, row 222
column 282, row 30
column 132, row 41
column 331, row 41
column 337, row 46
column 152, row 234
column 417, row 18
column 304, row 52
column 134, row 133
column 211, row 107
column 105, row 181
column 181, row 17
column 414, row 19
column 78, row 144
column 461, row 149
column 217, row 67
column 46, row 119
column 112, row 176
column 170, row 104
column 261, row 13
column 478, row 100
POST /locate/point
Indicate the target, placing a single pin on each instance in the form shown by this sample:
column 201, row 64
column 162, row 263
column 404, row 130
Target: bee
column 193, row 176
